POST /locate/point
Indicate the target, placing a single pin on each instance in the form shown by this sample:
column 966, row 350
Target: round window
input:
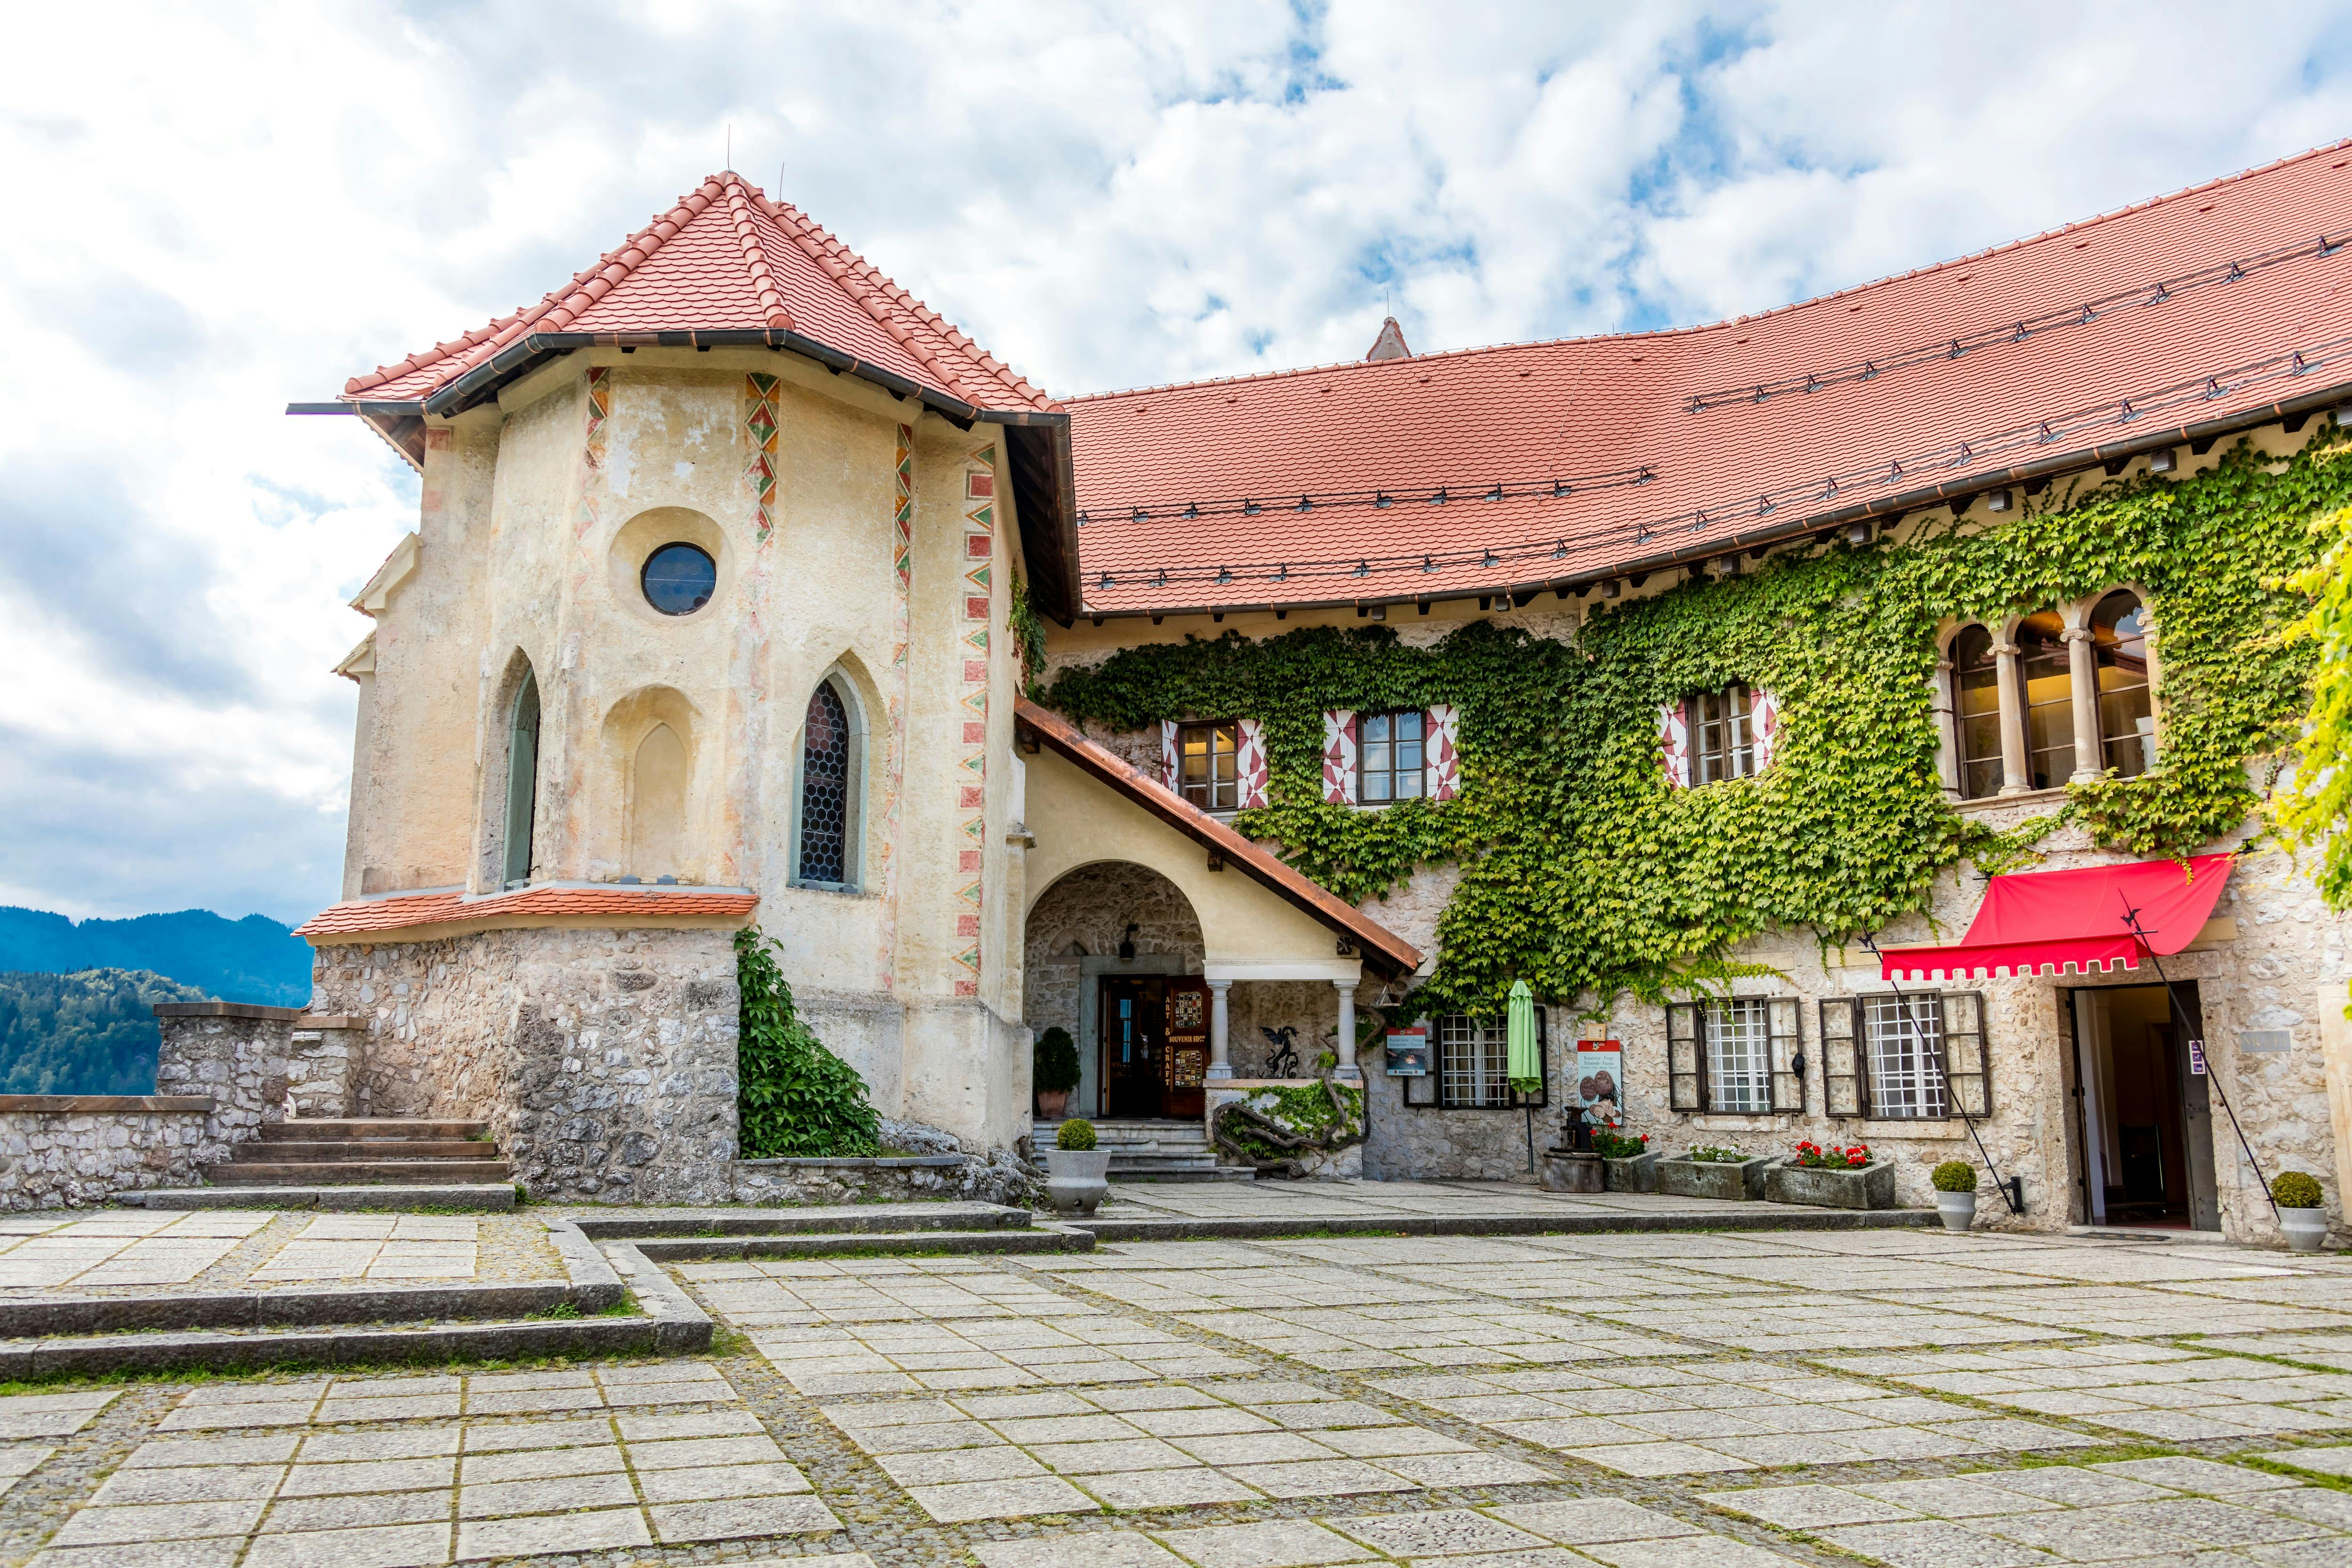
column 678, row 579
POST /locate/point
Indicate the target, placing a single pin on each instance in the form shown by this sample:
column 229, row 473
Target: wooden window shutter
column 1673, row 744
column 1168, row 768
column 1686, row 1058
column 1785, row 1030
column 1967, row 1065
column 1844, row 1070
column 1339, row 757
column 1439, row 758
column 1249, row 763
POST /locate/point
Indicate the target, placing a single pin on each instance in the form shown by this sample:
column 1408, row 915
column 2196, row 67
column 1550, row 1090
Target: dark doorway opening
column 2145, row 1124
column 1154, row 1046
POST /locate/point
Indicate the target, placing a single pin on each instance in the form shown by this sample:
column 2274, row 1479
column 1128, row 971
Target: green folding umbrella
column 1526, row 1060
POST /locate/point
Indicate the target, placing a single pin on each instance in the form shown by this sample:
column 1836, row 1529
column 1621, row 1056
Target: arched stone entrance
column 1139, row 1021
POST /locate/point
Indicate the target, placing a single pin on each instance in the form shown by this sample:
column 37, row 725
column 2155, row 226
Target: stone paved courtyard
column 129, row 1251
column 1669, row 1400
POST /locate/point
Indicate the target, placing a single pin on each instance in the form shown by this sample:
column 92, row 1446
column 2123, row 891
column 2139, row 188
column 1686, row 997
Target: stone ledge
column 882, row 1244
column 858, row 1219
column 866, row 1162
column 331, row 1021
column 106, row 1104
column 486, row 1197
column 1755, row 1215
column 226, row 1010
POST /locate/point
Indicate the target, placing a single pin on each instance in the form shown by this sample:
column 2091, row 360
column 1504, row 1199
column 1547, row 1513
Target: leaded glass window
column 826, row 790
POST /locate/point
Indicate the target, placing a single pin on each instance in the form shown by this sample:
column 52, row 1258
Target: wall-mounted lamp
column 1126, row 943
column 2164, row 462
column 1997, row 500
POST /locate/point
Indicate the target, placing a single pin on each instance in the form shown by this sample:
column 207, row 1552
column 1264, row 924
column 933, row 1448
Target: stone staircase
column 1155, row 1150
column 375, row 1151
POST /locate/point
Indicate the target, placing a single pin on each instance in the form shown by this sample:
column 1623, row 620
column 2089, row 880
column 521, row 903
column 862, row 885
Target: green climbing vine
column 1582, row 873
column 793, row 1097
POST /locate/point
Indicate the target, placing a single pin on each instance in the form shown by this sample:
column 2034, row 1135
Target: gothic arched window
column 828, row 826
column 2047, row 679
column 522, row 780
column 2127, row 709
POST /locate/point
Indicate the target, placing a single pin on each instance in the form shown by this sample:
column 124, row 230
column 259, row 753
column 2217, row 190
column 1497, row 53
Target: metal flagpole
column 2189, row 1031
column 1936, row 1058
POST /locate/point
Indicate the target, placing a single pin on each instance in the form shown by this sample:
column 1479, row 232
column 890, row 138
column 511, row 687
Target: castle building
column 746, row 590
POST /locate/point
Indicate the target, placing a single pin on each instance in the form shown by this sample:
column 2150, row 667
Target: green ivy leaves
column 795, row 1097
column 1583, row 874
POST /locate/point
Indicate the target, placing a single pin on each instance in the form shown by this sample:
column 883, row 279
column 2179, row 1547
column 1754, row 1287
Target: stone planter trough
column 1688, row 1178
column 1566, row 1171
column 1827, row 1187
column 1634, row 1174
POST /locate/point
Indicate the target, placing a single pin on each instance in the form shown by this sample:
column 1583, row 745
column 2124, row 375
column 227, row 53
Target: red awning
column 2046, row 922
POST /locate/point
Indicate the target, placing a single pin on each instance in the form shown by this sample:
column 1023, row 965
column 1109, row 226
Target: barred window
column 1207, row 764
column 1734, row 1056
column 1473, row 1071
column 1918, row 1055
column 1905, row 1037
column 827, row 843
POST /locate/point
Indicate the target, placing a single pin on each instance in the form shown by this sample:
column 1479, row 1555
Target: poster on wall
column 1407, row 1053
column 1600, row 1081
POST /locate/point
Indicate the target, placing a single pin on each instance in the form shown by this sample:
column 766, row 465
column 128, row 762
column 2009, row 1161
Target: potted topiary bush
column 1054, row 1071
column 1955, row 1193
column 2302, row 1210
column 1077, row 1174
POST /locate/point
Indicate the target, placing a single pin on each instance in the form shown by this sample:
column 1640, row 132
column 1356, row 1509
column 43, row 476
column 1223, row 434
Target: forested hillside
column 89, row 1033
column 252, row 960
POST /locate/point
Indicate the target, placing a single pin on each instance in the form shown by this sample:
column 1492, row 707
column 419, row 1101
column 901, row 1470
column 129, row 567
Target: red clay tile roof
column 362, row 915
column 1542, row 463
column 1381, row 947
column 728, row 257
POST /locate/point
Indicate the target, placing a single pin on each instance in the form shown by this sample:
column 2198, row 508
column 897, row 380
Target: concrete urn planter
column 2306, row 1229
column 1687, row 1178
column 1566, row 1171
column 1830, row 1187
column 1633, row 1173
column 1958, row 1210
column 1077, row 1179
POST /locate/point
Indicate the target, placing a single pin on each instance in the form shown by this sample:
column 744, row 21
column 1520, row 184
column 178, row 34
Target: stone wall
column 603, row 1060
column 1412, row 1143
column 65, row 1151
column 234, row 1054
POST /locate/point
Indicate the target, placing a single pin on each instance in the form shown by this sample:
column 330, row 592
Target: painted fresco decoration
column 971, row 771
column 894, row 769
column 592, row 449
column 762, row 423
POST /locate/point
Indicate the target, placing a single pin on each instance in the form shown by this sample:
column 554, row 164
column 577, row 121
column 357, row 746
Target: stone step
column 363, row 1149
column 1146, row 1170
column 393, row 1173
column 1120, row 1159
column 479, row 1197
column 306, row 1130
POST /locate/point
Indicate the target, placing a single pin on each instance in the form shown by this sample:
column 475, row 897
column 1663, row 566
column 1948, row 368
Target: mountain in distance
column 252, row 960
column 88, row 1033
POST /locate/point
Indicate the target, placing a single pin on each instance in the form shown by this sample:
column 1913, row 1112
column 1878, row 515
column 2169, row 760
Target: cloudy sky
column 215, row 209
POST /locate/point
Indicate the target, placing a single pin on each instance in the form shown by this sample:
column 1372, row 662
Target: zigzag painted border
column 971, row 771
column 761, row 421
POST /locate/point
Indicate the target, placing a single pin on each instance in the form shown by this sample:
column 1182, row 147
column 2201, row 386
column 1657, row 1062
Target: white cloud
column 246, row 206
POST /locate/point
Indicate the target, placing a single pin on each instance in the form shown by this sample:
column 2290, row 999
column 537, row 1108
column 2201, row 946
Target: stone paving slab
column 140, row 1254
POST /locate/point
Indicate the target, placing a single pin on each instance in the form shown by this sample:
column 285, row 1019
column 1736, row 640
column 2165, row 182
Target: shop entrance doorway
column 1154, row 1046
column 2145, row 1122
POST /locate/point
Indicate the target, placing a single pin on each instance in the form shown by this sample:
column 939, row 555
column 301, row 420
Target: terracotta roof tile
column 1603, row 451
column 726, row 257
column 361, row 915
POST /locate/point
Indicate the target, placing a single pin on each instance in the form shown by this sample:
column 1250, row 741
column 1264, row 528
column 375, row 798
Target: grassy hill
column 252, row 960
column 88, row 1033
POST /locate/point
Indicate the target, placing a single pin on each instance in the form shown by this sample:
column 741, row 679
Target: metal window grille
column 1725, row 734
column 1905, row 1037
column 824, row 790
column 1388, row 758
column 1739, row 1055
column 1208, row 764
column 1474, row 1066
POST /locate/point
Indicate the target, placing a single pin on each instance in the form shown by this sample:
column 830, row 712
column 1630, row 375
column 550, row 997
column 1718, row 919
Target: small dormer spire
column 1390, row 344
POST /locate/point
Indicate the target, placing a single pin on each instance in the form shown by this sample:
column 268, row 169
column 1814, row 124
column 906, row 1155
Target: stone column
column 1347, row 1071
column 1220, row 1065
column 2083, row 675
column 2015, row 778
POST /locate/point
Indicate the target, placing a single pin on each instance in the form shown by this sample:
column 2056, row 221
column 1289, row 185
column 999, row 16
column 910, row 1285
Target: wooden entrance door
column 1185, row 1062
column 1133, row 1046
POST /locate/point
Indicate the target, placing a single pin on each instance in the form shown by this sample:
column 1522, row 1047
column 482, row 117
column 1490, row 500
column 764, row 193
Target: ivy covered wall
column 1581, row 872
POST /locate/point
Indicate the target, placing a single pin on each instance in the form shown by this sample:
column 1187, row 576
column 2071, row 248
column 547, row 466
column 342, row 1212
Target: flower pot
column 1687, row 1178
column 1077, row 1179
column 1053, row 1104
column 1633, row 1173
column 1567, row 1170
column 1959, row 1209
column 2306, row 1229
column 1832, row 1186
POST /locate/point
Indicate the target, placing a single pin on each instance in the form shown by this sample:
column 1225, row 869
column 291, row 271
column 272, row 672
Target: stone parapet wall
column 234, row 1054
column 998, row 1177
column 602, row 1060
column 69, row 1150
